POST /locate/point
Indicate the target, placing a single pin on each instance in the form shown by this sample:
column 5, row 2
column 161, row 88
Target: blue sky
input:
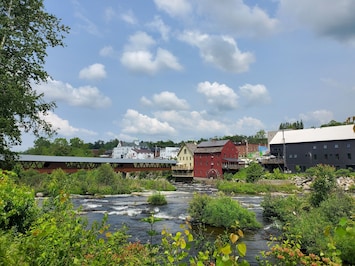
column 190, row 69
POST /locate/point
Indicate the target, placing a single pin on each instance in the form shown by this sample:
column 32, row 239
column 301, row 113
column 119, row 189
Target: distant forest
column 77, row 147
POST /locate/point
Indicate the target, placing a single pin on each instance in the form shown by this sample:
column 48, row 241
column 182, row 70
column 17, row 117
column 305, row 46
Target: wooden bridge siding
column 49, row 167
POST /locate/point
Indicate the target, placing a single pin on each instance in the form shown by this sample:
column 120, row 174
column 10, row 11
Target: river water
column 130, row 209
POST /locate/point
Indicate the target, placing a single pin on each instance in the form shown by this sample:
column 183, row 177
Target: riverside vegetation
column 317, row 227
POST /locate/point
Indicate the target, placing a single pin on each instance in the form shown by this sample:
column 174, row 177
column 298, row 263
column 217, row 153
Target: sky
column 189, row 69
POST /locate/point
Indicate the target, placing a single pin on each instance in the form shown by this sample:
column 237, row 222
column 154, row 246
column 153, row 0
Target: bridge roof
column 73, row 159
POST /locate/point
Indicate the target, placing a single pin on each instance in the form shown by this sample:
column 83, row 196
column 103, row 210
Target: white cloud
column 129, row 17
column 255, row 94
column 236, row 17
column 85, row 96
column 109, row 14
column 108, row 51
column 174, row 8
column 138, row 58
column 159, row 25
column 220, row 51
column 330, row 18
column 219, row 96
column 136, row 123
column 94, row 71
column 166, row 100
column 63, row 127
column 317, row 118
column 248, row 125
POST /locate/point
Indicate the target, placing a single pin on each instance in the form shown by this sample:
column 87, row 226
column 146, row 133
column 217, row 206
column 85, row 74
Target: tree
column 26, row 31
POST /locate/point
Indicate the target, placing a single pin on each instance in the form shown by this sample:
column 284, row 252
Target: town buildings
column 213, row 158
column 184, row 168
column 304, row 148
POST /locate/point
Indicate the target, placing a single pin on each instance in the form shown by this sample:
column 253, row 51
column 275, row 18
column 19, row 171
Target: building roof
column 214, row 146
column 212, row 143
column 73, row 159
column 344, row 132
column 191, row 147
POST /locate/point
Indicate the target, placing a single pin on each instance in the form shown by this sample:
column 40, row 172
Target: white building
column 140, row 154
column 169, row 153
column 121, row 152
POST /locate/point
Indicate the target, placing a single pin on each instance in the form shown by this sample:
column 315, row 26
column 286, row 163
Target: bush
column 323, row 184
column 254, row 172
column 157, row 199
column 222, row 211
column 18, row 208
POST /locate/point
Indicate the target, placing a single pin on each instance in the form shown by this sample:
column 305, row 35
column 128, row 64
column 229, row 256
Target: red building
column 213, row 158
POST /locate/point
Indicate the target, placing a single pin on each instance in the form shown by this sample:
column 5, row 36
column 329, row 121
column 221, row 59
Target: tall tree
column 26, row 31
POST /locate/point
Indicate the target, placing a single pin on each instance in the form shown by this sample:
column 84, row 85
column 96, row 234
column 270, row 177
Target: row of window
column 336, row 146
column 325, row 156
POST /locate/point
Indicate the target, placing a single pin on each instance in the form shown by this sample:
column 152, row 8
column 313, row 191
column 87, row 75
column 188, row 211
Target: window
column 336, row 146
column 326, row 156
column 314, row 147
column 314, row 156
column 337, row 156
column 290, row 156
column 349, row 156
column 295, row 156
column 348, row 145
column 325, row 146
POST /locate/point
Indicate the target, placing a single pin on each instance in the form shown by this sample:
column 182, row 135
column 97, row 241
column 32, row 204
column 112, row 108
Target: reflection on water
column 131, row 209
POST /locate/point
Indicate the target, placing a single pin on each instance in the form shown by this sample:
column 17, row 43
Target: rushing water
column 130, row 209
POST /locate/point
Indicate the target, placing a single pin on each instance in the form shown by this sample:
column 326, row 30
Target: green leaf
column 242, row 249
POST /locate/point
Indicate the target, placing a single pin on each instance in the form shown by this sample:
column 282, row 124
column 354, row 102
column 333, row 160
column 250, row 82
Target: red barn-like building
column 213, row 157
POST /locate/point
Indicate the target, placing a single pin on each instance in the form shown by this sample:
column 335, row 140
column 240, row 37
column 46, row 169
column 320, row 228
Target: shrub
column 323, row 184
column 222, row 211
column 254, row 172
column 18, row 208
column 157, row 199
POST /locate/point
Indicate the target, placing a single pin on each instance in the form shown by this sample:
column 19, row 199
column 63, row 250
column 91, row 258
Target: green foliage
column 253, row 188
column 313, row 222
column 254, row 172
column 18, row 208
column 282, row 208
column 344, row 239
column 26, row 31
column 222, row 211
column 323, row 184
column 294, row 125
column 157, row 199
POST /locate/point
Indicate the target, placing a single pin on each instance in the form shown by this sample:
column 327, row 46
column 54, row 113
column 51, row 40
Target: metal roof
column 73, row 159
column 345, row 132
column 212, row 143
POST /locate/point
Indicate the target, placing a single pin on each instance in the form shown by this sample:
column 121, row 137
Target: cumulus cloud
column 108, row 51
column 255, row 94
column 236, row 17
column 330, row 18
column 63, row 127
column 159, row 25
column 219, row 96
column 248, row 124
column 85, row 96
column 175, row 8
column 138, row 57
column 129, row 17
column 136, row 123
column 94, row 71
column 220, row 51
column 317, row 118
column 166, row 101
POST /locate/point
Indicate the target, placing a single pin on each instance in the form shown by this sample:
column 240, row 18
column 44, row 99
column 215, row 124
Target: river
column 130, row 209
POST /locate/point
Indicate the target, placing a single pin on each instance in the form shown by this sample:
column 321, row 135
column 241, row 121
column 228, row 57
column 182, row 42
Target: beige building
column 184, row 168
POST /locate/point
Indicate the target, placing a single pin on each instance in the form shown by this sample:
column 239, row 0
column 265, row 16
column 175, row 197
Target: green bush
column 323, row 184
column 222, row 211
column 282, row 208
column 254, row 172
column 18, row 208
column 157, row 199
